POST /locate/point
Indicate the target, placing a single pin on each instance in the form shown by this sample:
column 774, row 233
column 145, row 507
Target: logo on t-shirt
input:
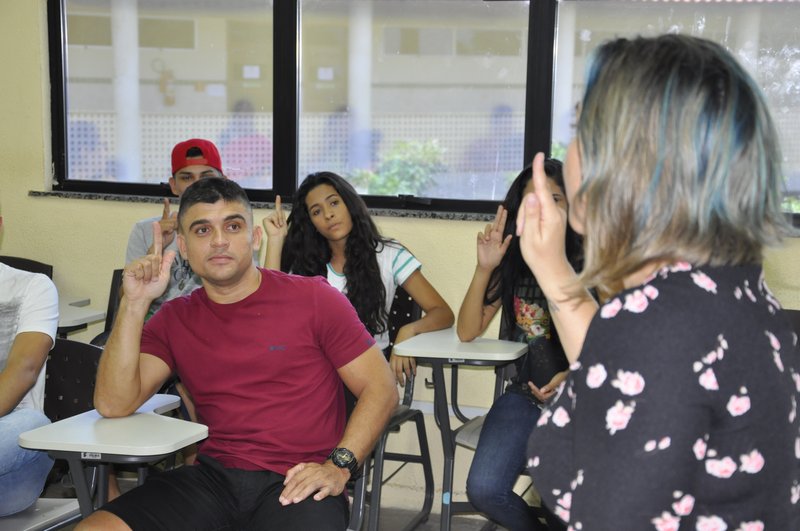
column 277, row 347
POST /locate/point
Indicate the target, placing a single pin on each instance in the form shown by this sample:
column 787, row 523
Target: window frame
column 285, row 78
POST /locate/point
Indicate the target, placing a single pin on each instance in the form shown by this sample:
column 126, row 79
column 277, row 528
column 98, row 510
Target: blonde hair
column 680, row 160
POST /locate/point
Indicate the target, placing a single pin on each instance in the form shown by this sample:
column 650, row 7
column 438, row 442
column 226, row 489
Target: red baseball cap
column 208, row 154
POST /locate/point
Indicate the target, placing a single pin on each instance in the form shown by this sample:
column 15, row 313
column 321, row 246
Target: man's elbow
column 109, row 408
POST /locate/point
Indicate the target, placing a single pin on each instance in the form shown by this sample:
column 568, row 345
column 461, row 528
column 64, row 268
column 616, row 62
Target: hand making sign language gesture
column 541, row 226
column 146, row 279
column 276, row 228
column 491, row 244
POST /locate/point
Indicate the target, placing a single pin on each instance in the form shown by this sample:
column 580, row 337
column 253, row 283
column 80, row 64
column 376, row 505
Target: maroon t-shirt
column 262, row 371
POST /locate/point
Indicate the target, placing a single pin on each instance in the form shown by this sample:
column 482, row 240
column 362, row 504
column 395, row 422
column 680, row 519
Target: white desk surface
column 144, row 433
column 73, row 312
column 445, row 344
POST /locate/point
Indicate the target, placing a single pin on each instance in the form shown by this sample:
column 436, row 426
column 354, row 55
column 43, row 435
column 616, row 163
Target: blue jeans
column 499, row 460
column 22, row 472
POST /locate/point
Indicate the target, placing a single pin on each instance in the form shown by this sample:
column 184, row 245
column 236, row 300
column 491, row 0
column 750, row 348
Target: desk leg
column 448, row 442
column 80, row 483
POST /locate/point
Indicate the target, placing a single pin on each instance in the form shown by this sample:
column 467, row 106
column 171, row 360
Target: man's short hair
column 195, row 151
column 210, row 191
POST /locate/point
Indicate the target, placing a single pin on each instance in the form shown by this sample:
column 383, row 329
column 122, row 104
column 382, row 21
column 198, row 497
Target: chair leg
column 377, row 482
column 423, row 458
column 359, row 498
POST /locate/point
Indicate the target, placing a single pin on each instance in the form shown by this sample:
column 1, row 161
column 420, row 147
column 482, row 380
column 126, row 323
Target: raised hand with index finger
column 275, row 224
column 146, row 278
column 541, row 225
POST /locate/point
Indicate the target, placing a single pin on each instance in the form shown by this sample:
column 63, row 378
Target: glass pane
column 763, row 36
column 144, row 75
column 414, row 97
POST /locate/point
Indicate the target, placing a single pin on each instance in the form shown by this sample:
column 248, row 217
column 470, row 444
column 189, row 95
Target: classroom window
column 764, row 36
column 423, row 98
column 141, row 76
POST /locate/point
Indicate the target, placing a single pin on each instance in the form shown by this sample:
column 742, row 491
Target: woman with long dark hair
column 329, row 232
column 502, row 280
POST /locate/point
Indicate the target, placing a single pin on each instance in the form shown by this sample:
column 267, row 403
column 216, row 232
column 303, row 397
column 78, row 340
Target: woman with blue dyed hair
column 680, row 410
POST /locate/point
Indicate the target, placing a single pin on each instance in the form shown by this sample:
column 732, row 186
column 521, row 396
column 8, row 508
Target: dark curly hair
column 512, row 268
column 306, row 251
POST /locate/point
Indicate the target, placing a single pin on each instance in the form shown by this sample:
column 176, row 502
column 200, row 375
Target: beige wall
column 85, row 240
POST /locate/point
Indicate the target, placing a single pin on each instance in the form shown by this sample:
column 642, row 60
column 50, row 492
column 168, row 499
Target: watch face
column 342, row 457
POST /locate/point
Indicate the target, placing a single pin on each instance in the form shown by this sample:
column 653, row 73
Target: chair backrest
column 403, row 311
column 27, row 264
column 70, row 375
column 114, row 296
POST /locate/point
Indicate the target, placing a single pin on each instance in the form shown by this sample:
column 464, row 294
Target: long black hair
column 512, row 268
column 307, row 252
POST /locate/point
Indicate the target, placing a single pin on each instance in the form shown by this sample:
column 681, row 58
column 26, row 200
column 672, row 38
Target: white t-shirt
column 396, row 264
column 28, row 303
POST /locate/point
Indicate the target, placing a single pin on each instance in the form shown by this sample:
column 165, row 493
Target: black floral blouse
column 681, row 412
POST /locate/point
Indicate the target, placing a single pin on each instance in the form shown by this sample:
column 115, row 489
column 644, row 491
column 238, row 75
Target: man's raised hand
column 275, row 224
column 147, row 278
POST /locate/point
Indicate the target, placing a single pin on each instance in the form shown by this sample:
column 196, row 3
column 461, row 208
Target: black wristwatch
column 344, row 458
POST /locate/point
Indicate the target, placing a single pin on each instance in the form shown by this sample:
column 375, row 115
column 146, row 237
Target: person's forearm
column 118, row 387
column 571, row 315
column 369, row 418
column 470, row 322
column 272, row 258
column 436, row 318
column 13, row 386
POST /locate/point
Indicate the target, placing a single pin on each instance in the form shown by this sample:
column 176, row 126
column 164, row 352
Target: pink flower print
column 610, row 309
column 629, row 383
column 561, row 417
column 796, row 378
column 596, row 376
column 795, row 493
column 756, row 525
column 635, row 302
column 575, row 365
column 773, row 341
column 709, row 380
column 649, row 446
column 680, row 266
column 710, row 523
column 704, row 281
column 721, row 468
column 577, row 481
column 700, row 448
column 748, row 291
column 618, row 416
column 777, row 359
column 684, row 506
column 562, row 513
column 710, row 358
column 697, row 366
column 651, row 292
column 793, row 411
column 737, row 292
column 544, row 418
column 533, row 462
column 738, row 405
column 751, row 463
column 565, row 501
column 722, row 343
column 666, row 522
column 664, row 443
column 797, row 448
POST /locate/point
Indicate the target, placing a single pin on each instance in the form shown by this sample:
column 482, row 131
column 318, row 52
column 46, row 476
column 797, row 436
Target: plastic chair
column 27, row 264
column 404, row 310
column 114, row 296
column 68, row 391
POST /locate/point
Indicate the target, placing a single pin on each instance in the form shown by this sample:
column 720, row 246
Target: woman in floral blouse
column 680, row 411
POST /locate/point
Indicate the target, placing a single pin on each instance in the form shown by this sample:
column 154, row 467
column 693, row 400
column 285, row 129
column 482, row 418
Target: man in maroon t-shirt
column 264, row 355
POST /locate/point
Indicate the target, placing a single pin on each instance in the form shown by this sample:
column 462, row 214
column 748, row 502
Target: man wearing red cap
column 192, row 160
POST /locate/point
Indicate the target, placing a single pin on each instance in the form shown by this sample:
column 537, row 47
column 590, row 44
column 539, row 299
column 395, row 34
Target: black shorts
column 208, row 496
